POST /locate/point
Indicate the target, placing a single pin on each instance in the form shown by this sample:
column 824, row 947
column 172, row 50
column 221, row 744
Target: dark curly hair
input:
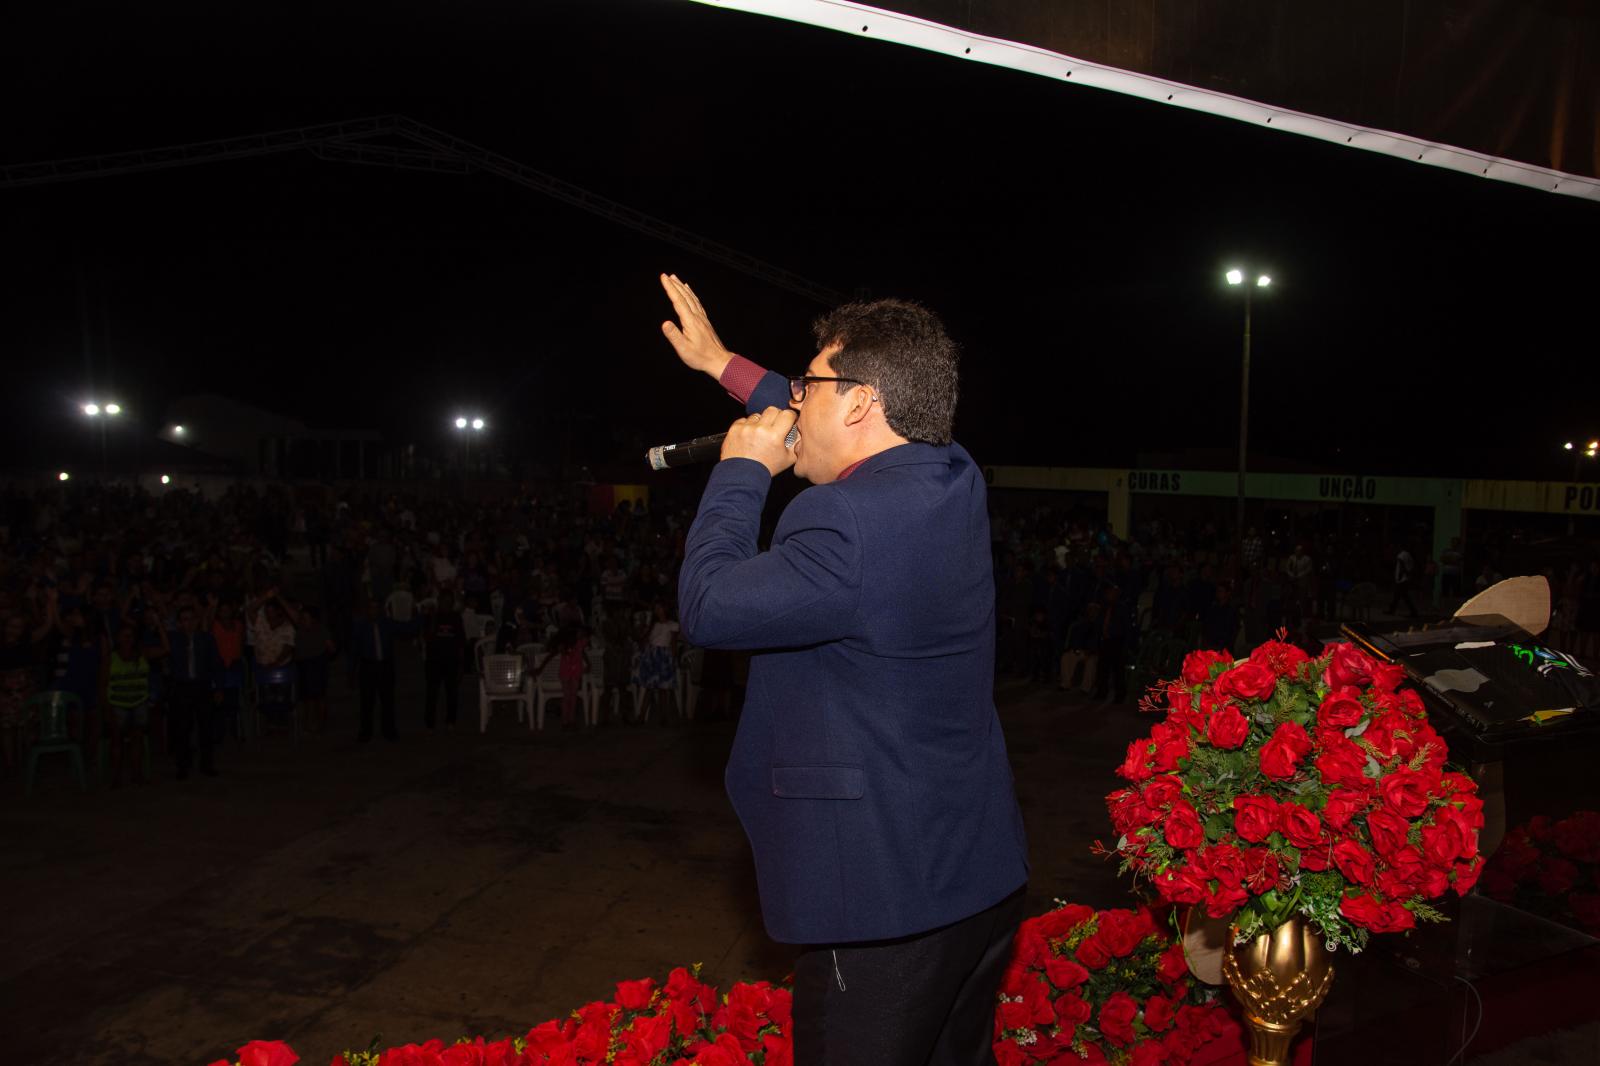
column 901, row 349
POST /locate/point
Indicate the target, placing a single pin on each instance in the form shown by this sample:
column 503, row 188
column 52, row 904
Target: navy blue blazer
column 869, row 771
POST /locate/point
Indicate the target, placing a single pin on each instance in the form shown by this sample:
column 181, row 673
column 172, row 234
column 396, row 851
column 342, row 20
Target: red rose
column 1281, row 754
column 634, row 995
column 1116, row 1018
column 1179, row 698
column 1225, row 862
column 1064, row 973
column 1578, row 836
column 1299, row 826
column 1092, row 953
column 1341, row 709
column 1441, row 842
column 267, row 1053
column 1120, row 931
column 1158, row 1013
column 1412, row 704
column 1405, row 792
column 1367, row 912
column 1136, row 767
column 1465, row 874
column 1159, row 792
column 1282, row 659
column 1147, row 1053
column 1261, row 870
column 1227, row 728
column 649, row 1036
column 1224, row 901
column 1052, row 925
column 1182, row 827
column 1172, row 744
column 1354, row 861
column 1343, row 805
column 1406, row 874
column 1005, row 1052
column 1248, row 680
column 1254, row 817
column 1349, row 666
column 1342, row 762
column 1388, row 832
column 1014, row 1014
column 1172, row 966
column 1175, row 887
column 1197, row 665
column 1557, row 876
column 1586, row 908
column 1072, row 1009
column 1386, row 677
column 1390, row 735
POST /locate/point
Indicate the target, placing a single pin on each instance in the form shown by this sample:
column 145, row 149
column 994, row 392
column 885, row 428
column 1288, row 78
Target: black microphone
column 699, row 450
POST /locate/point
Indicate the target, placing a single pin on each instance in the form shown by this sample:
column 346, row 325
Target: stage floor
column 445, row 884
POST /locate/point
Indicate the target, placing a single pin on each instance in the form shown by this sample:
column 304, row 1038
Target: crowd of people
column 174, row 621
column 1097, row 614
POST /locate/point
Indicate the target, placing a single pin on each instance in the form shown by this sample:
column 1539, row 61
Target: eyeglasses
column 800, row 383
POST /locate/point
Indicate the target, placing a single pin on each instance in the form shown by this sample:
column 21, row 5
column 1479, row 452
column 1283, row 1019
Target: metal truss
column 432, row 150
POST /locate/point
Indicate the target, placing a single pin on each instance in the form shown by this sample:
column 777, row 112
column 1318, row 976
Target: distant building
column 260, row 442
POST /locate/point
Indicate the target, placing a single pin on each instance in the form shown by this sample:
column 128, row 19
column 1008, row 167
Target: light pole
column 1237, row 277
column 1590, row 451
column 99, row 415
column 468, row 428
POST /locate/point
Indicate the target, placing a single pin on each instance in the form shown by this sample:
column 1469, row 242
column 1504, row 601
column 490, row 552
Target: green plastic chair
column 52, row 708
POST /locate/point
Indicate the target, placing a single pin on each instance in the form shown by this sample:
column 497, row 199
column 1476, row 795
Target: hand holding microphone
column 764, row 438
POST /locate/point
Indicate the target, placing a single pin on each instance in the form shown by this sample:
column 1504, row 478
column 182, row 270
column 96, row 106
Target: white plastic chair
column 504, row 678
column 546, row 685
column 480, row 651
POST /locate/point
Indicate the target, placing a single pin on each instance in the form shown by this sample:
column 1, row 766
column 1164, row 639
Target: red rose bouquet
column 1285, row 785
column 1551, row 868
column 1101, row 987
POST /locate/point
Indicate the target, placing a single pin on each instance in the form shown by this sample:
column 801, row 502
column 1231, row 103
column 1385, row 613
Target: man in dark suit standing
column 194, row 694
column 372, row 646
column 869, row 771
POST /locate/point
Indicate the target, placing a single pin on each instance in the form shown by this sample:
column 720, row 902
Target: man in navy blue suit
column 869, row 771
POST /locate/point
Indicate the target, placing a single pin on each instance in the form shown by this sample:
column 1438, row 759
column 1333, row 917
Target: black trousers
column 924, row 1000
column 437, row 674
column 377, row 687
column 190, row 710
column 1112, row 679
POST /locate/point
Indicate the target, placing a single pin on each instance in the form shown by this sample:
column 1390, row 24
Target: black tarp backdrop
column 1072, row 239
column 1518, row 79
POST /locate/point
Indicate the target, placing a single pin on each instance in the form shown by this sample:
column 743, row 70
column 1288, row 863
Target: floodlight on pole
column 1568, row 446
column 1235, row 276
column 177, row 431
column 91, row 409
column 461, row 423
column 113, row 408
column 477, row 423
column 63, row 476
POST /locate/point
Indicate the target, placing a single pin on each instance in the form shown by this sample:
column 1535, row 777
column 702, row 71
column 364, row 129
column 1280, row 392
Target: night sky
column 1421, row 322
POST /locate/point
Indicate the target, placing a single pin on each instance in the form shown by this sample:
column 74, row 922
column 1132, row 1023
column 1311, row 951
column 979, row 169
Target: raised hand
column 692, row 337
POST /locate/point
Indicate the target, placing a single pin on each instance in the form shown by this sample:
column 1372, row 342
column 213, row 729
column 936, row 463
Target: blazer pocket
column 818, row 782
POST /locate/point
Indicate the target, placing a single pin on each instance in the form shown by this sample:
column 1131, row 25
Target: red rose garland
column 1286, row 785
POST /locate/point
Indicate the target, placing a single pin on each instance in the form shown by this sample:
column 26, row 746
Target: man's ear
column 861, row 400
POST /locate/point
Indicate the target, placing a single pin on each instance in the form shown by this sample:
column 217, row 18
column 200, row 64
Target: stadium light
column 477, row 423
column 113, row 408
column 91, row 409
column 461, row 423
column 1235, row 276
column 166, row 479
column 63, row 476
column 177, row 431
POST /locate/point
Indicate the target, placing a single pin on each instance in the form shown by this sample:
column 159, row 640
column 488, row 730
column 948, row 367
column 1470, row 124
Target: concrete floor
column 445, row 884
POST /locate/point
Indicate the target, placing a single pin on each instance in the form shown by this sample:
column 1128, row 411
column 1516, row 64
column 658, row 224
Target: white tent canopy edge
column 862, row 20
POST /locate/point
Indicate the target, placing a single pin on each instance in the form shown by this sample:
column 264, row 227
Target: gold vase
column 1279, row 978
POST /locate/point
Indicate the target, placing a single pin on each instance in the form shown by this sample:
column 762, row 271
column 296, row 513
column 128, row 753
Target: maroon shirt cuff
column 740, row 377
